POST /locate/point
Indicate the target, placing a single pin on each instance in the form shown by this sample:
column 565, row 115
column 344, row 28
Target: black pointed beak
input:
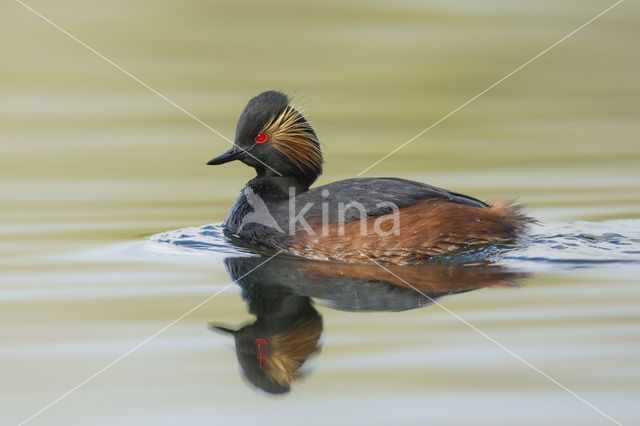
column 233, row 154
column 222, row 329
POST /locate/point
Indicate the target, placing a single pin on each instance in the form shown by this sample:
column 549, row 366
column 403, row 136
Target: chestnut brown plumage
column 427, row 228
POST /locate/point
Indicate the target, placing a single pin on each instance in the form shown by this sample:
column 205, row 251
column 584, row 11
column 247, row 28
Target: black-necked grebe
column 355, row 220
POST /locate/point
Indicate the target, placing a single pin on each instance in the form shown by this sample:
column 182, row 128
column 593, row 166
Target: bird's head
column 275, row 139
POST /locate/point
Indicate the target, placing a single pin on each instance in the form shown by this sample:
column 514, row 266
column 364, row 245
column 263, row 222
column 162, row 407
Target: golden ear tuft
column 292, row 135
column 291, row 348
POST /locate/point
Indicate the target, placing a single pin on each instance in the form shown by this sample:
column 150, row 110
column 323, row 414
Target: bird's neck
column 277, row 188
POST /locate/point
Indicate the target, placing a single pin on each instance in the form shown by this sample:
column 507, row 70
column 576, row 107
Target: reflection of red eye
column 261, row 138
column 261, row 352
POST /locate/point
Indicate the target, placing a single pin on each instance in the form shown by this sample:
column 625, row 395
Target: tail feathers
column 515, row 220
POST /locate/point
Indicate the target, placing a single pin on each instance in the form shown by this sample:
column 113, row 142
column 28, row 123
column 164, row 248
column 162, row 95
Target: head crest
column 291, row 134
column 290, row 349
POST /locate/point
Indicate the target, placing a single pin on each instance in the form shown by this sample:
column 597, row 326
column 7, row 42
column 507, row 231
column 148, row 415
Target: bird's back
column 388, row 219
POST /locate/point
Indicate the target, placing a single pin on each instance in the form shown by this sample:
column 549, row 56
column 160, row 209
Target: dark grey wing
column 427, row 191
column 375, row 195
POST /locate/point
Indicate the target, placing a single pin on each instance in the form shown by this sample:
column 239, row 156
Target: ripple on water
column 551, row 246
column 579, row 244
column 194, row 240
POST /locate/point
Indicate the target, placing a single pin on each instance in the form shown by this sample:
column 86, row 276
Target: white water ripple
column 551, row 246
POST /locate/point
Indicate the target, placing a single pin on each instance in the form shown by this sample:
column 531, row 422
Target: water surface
column 97, row 173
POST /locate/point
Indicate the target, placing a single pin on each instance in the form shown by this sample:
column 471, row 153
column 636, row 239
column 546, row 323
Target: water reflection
column 272, row 349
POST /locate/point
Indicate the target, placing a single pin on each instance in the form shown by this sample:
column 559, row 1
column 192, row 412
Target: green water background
column 89, row 157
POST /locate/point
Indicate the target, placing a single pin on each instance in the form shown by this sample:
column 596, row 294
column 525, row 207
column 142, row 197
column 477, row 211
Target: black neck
column 277, row 188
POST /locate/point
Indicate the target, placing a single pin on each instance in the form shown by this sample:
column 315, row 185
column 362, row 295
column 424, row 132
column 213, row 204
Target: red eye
column 261, row 138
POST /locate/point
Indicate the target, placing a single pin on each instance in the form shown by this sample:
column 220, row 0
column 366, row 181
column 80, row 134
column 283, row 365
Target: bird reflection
column 285, row 333
column 287, row 329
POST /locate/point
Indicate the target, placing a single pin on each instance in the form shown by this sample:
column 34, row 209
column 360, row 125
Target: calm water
column 109, row 216
column 565, row 302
